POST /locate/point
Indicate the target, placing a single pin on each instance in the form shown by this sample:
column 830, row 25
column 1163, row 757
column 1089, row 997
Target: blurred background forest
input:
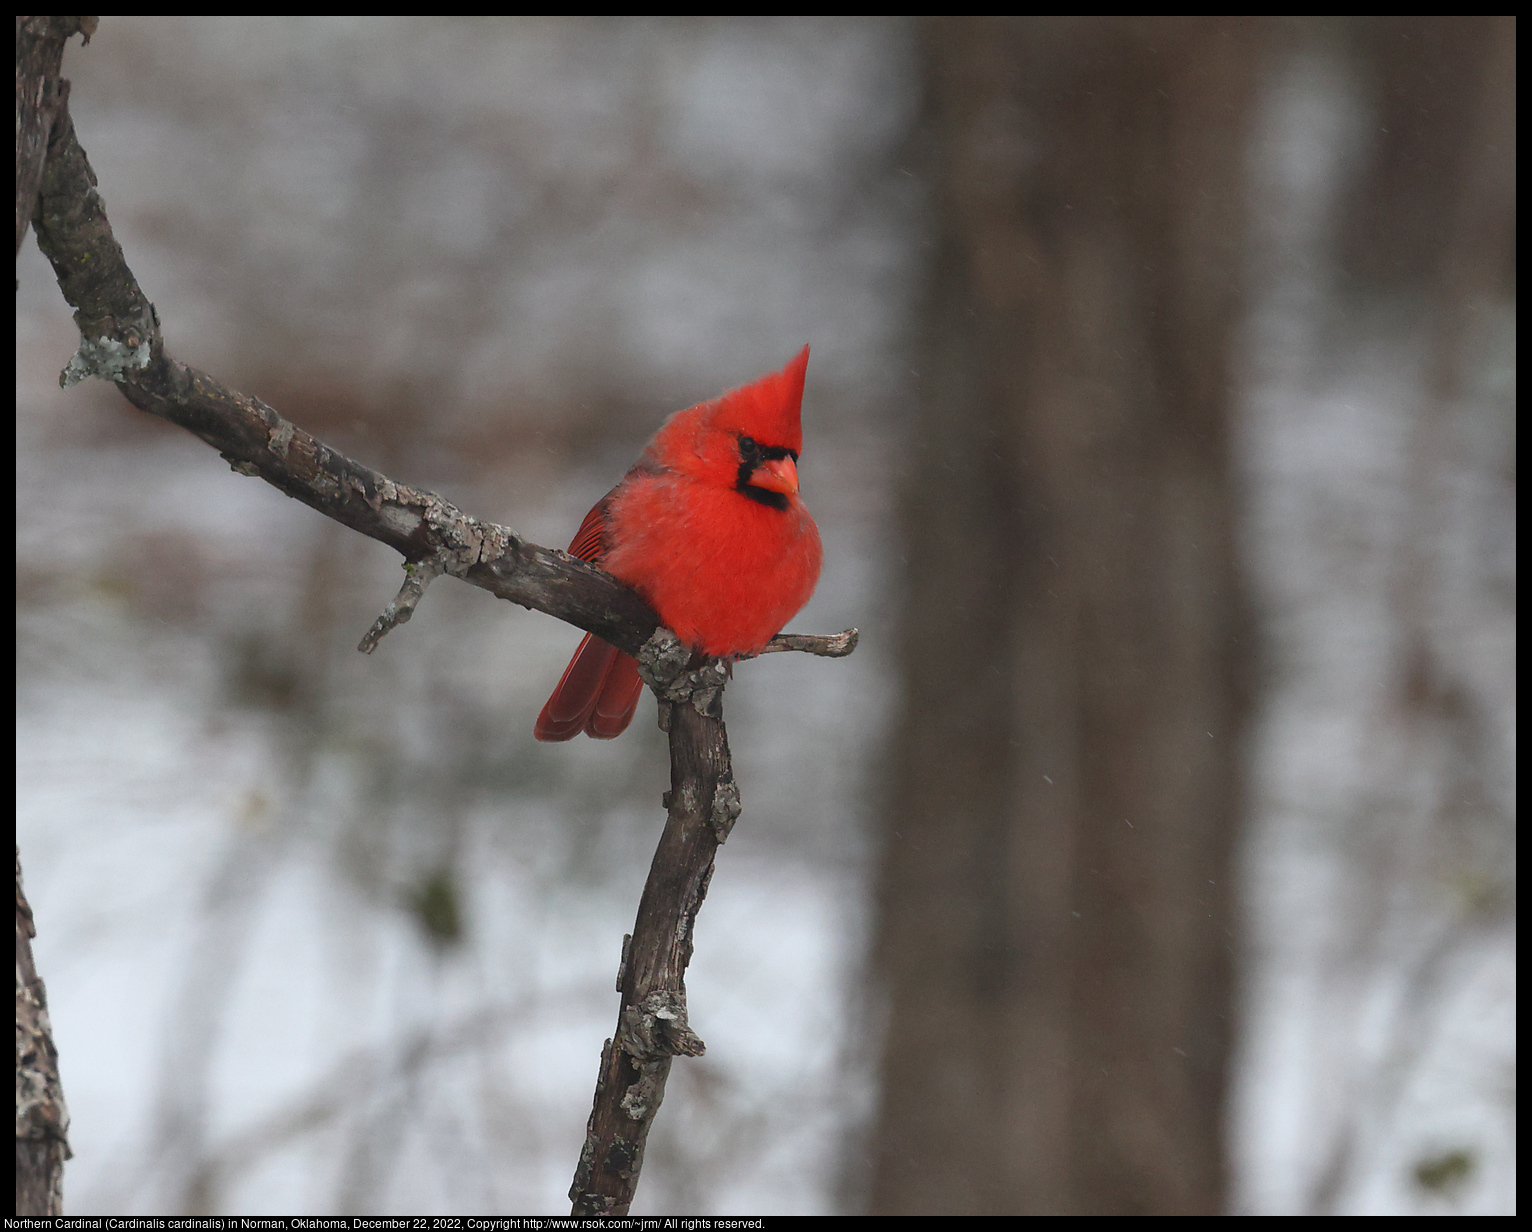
column 1153, row 854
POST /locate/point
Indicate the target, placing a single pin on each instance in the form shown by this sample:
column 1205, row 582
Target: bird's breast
column 723, row 572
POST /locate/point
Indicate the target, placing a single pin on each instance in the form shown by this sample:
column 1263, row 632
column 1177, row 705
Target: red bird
column 708, row 527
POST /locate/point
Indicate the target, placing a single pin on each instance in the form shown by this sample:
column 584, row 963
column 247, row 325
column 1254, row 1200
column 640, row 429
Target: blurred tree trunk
column 1055, row 930
column 1435, row 206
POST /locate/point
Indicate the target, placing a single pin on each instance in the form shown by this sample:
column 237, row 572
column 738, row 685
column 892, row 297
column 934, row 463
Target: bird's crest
column 769, row 409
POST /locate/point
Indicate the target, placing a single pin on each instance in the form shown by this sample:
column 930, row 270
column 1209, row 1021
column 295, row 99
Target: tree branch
column 121, row 342
column 826, row 645
column 42, row 1120
column 652, row 1025
column 40, row 92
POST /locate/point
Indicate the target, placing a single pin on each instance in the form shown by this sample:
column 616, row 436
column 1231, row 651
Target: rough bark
column 1055, row 921
column 42, row 1120
column 40, row 92
column 652, row 1026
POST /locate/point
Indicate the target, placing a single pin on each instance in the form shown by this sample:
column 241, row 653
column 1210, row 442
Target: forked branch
column 121, row 341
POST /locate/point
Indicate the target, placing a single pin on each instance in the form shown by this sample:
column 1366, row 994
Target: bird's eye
column 748, row 449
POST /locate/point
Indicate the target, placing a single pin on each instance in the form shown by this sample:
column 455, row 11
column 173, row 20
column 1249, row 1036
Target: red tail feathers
column 597, row 694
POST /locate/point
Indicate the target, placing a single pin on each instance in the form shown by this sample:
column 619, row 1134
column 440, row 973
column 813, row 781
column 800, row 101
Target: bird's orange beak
column 776, row 475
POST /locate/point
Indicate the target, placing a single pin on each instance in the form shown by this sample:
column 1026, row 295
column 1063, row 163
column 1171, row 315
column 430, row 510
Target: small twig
column 828, row 645
column 417, row 576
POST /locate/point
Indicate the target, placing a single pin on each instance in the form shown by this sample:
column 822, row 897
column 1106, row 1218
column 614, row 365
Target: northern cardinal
column 708, row 527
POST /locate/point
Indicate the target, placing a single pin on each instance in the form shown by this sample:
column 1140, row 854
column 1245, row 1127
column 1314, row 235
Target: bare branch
column 40, row 92
column 418, row 575
column 652, row 1024
column 121, row 342
column 828, row 645
column 42, row 1120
